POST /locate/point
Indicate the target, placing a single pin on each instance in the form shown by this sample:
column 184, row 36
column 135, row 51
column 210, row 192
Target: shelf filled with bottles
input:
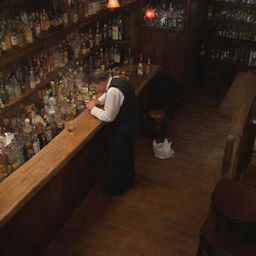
column 34, row 125
column 33, row 72
column 21, row 83
column 235, row 3
column 23, row 38
column 231, row 31
column 232, row 12
column 243, row 58
column 26, row 92
column 164, row 14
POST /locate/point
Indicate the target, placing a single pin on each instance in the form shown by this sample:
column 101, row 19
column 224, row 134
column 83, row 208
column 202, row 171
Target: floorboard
column 162, row 214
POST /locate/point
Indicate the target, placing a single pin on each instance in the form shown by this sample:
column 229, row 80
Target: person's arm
column 101, row 99
column 113, row 101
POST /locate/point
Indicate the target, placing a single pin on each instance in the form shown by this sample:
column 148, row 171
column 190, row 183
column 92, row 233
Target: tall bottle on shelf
column 140, row 69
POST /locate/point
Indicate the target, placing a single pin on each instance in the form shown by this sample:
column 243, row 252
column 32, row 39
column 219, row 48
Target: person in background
column 121, row 111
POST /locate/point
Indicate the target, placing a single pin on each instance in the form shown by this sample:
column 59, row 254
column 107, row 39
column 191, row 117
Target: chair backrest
column 236, row 108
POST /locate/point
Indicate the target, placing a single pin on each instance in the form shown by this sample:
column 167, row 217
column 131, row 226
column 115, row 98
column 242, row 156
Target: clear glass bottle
column 4, row 163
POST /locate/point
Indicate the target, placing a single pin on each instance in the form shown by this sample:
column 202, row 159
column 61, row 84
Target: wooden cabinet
column 229, row 44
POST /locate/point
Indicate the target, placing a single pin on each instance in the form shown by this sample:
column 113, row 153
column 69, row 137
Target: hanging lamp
column 113, row 4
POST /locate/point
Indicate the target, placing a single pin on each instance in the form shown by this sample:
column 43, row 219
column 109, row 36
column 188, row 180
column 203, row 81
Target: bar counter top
column 17, row 189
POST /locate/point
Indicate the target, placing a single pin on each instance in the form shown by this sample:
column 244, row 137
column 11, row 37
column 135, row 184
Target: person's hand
column 96, row 101
column 90, row 105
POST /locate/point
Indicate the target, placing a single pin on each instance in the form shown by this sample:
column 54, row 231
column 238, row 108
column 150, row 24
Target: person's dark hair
column 97, row 76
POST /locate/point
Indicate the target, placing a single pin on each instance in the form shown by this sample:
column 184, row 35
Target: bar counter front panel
column 36, row 199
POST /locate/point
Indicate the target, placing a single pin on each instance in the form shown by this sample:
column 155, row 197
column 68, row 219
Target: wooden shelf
column 16, row 53
column 235, row 5
column 236, row 40
column 223, row 20
column 218, row 62
column 167, row 30
column 117, row 41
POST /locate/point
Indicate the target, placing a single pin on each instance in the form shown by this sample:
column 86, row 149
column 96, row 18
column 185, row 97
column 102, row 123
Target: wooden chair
column 230, row 228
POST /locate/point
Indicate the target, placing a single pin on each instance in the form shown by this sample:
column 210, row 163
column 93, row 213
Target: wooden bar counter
column 37, row 198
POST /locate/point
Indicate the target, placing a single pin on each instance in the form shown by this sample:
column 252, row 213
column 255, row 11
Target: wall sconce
column 113, row 4
column 150, row 13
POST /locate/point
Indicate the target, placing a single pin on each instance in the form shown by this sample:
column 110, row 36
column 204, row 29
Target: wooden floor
column 162, row 214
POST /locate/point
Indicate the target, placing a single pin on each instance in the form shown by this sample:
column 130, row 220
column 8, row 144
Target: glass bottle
column 115, row 29
column 3, row 93
column 147, row 68
column 140, row 70
column 4, row 163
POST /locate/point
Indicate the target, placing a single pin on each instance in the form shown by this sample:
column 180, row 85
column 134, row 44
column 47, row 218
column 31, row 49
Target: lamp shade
column 150, row 13
column 113, row 4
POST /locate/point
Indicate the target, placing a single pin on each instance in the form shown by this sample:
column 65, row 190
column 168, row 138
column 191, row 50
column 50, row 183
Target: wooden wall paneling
column 176, row 51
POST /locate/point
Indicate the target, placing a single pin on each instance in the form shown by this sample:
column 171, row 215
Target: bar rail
column 17, row 189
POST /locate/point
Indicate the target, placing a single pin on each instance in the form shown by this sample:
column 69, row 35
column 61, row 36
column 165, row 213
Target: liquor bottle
column 109, row 28
column 97, row 35
column 91, row 41
column 37, row 25
column 120, row 28
column 48, row 134
column 3, row 93
column 18, row 149
column 117, row 55
column 28, row 33
column 32, row 83
column 21, row 40
column 12, row 155
column 4, row 163
column 27, row 128
column 115, row 29
column 7, row 36
column 140, row 70
column 41, row 135
column 16, row 86
column 9, row 87
column 28, row 147
column 2, row 41
column 75, row 11
column 13, row 31
column 147, row 68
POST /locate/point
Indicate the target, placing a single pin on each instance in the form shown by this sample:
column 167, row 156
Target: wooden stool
column 230, row 228
column 159, row 123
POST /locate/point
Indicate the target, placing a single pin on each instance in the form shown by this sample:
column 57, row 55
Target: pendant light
column 113, row 4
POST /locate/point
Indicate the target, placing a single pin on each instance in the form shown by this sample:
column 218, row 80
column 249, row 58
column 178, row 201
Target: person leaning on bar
column 121, row 111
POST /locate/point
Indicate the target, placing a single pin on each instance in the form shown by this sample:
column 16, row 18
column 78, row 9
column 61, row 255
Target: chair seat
column 157, row 115
column 219, row 242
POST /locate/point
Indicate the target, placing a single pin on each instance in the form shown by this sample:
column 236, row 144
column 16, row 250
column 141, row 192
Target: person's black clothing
column 124, row 130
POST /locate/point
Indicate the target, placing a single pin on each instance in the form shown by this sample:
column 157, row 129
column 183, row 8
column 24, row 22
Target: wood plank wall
column 177, row 52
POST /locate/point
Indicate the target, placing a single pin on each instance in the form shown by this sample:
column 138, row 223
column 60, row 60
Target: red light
column 150, row 13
